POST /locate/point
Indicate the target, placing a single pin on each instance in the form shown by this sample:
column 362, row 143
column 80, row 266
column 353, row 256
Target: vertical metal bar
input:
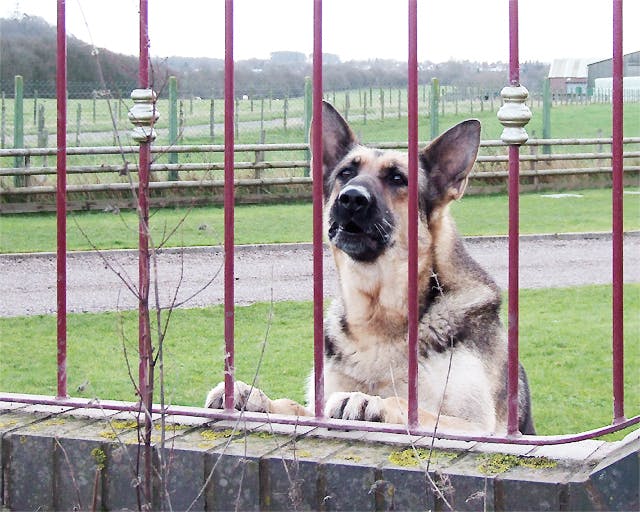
column 229, row 204
column 144, row 333
column 514, row 228
column 316, row 169
column 617, row 206
column 412, row 274
column 61, row 197
column 145, row 376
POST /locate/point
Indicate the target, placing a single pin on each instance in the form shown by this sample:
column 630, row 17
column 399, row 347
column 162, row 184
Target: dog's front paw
column 355, row 406
column 437, row 331
column 245, row 398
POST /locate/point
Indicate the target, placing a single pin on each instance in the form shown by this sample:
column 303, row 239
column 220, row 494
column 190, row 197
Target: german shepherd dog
column 462, row 354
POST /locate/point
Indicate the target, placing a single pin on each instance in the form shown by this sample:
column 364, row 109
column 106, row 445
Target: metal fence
column 145, row 119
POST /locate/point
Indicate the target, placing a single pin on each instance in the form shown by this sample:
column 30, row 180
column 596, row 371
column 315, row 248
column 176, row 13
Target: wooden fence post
column 259, row 157
column 18, row 127
column 364, row 110
column 308, row 114
column 285, row 111
column 35, row 107
column 78, row 122
column 212, row 119
column 533, row 151
column 237, row 118
column 435, row 98
column 43, row 133
column 3, row 123
column 173, row 125
column 546, row 115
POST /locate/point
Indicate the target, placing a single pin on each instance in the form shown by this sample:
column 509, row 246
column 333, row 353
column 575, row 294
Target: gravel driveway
column 284, row 272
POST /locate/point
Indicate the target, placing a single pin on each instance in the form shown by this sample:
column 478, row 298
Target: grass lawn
column 564, row 343
column 475, row 215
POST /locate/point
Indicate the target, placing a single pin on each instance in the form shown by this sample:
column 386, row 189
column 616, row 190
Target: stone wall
column 60, row 459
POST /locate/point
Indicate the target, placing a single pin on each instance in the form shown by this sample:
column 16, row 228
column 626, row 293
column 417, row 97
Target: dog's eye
column 397, row 179
column 347, row 173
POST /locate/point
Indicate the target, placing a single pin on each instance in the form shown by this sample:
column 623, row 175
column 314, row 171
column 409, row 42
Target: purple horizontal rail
column 310, row 421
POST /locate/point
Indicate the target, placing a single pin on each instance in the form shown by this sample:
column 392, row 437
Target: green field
column 567, row 121
column 475, row 215
column 564, row 343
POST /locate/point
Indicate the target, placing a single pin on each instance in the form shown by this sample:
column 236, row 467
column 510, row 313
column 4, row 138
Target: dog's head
column 365, row 189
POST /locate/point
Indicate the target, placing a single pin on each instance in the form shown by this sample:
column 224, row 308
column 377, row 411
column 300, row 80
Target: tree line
column 28, row 46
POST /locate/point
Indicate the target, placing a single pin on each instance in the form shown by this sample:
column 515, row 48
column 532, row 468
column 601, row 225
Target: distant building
column 568, row 76
column 604, row 68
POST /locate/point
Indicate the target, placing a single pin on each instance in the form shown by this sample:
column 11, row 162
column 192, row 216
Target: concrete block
column 415, row 477
column 78, row 474
column 291, row 476
column 233, row 472
column 179, row 480
column 534, row 488
column 28, row 465
column 349, row 477
column 121, row 475
column 614, row 484
column 468, row 488
column 33, row 439
column 74, row 464
column 184, row 460
column 404, row 489
column 12, row 418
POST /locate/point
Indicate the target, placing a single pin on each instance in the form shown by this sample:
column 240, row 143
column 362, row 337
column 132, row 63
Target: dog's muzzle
column 357, row 225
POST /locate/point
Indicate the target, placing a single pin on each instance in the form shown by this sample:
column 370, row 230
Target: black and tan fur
column 462, row 344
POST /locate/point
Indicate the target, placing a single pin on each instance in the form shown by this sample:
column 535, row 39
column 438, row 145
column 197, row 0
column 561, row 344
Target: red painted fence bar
column 144, row 333
column 316, row 169
column 229, row 203
column 145, row 373
column 61, row 197
column 412, row 274
column 514, row 234
column 617, row 207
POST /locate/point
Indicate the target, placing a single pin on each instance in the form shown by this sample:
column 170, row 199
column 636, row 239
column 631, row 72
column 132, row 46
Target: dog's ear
column 337, row 137
column 448, row 160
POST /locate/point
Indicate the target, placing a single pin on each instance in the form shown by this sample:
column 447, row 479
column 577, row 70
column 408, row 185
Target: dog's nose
column 354, row 198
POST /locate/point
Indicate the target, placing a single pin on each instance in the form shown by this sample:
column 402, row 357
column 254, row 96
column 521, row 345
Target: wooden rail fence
column 265, row 181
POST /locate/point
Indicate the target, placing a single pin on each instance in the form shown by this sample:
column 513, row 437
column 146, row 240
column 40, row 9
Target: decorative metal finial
column 514, row 114
column 143, row 115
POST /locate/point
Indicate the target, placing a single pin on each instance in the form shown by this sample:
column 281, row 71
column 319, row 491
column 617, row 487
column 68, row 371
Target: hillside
column 27, row 48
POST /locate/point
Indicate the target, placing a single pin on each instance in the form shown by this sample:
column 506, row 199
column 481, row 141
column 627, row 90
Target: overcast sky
column 353, row 29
